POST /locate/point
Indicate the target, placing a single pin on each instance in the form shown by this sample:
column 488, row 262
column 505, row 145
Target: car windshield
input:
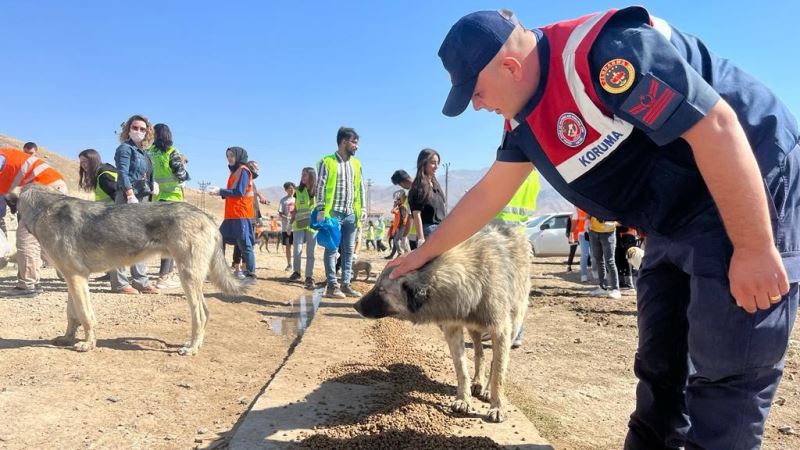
column 533, row 223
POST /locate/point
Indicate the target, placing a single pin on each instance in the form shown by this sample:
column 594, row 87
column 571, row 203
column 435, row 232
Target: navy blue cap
column 468, row 47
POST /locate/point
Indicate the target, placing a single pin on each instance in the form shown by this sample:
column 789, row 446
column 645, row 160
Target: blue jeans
column 138, row 278
column 248, row 256
column 428, row 229
column 603, row 245
column 585, row 252
column 310, row 239
column 707, row 369
column 347, row 223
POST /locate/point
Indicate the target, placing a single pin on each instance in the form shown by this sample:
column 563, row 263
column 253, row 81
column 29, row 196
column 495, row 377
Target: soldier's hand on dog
column 407, row 263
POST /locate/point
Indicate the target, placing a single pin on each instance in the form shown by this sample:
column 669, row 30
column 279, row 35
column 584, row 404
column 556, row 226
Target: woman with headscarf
column 257, row 198
column 237, row 227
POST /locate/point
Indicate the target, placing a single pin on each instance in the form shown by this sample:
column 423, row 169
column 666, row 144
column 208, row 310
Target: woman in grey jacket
column 135, row 180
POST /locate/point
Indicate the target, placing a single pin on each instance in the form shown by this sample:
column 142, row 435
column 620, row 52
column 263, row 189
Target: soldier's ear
column 415, row 292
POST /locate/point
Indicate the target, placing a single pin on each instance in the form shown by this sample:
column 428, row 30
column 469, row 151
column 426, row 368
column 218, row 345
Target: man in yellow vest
column 18, row 168
column 518, row 211
column 403, row 179
column 339, row 195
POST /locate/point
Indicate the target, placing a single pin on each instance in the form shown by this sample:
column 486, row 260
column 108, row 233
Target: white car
column 548, row 235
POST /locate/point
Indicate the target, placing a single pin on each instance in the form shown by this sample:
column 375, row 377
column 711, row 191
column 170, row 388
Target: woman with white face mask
column 135, row 180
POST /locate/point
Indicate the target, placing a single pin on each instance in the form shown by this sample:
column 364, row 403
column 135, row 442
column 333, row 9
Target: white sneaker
column 599, row 292
column 615, row 294
column 584, row 278
column 168, row 283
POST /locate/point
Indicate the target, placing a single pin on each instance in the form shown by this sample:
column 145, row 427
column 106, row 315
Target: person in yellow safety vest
column 304, row 205
column 518, row 211
column 401, row 178
column 340, row 194
column 369, row 236
column 169, row 174
column 380, row 233
column 18, row 168
column 101, row 179
column 522, row 205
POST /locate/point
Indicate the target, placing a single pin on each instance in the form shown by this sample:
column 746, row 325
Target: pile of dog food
column 412, row 411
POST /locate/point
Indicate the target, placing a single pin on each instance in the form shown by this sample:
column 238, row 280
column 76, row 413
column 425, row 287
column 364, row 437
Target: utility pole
column 203, row 188
column 369, row 197
column 446, row 184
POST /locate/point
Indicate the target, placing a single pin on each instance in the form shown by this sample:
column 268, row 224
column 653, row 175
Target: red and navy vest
column 573, row 128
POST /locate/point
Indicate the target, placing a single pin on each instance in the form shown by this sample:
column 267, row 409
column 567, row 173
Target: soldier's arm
column 729, row 168
column 475, row 210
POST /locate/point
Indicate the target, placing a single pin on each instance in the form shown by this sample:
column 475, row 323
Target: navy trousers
column 707, row 369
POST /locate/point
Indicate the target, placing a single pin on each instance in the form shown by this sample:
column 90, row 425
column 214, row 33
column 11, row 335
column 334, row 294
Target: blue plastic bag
column 329, row 233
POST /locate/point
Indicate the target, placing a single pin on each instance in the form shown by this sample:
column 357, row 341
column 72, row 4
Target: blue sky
column 279, row 78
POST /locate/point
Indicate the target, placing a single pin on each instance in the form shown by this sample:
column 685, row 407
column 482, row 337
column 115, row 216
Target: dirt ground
column 572, row 376
column 134, row 390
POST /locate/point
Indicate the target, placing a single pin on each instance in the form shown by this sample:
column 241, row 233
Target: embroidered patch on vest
column 571, row 130
column 652, row 102
column 617, row 76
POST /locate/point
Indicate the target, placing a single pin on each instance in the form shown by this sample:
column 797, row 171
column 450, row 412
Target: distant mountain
column 458, row 183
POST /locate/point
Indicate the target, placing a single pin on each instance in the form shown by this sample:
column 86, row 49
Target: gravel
column 412, row 410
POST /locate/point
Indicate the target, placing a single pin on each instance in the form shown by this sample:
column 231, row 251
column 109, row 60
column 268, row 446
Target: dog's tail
column 222, row 277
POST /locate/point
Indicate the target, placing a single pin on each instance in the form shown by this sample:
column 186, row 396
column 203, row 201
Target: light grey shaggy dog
column 481, row 285
column 82, row 237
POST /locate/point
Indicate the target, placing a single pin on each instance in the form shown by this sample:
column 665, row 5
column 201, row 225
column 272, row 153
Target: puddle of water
column 298, row 320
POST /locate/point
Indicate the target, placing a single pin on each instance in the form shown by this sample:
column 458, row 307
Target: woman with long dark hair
column 169, row 174
column 101, row 179
column 425, row 198
column 305, row 205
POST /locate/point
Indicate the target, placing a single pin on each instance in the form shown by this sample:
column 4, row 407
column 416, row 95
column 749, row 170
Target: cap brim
column 459, row 97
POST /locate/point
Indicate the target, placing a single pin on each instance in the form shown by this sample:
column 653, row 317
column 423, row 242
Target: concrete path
column 331, row 394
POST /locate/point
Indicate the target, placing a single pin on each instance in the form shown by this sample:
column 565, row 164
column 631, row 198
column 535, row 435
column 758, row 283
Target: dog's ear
column 416, row 293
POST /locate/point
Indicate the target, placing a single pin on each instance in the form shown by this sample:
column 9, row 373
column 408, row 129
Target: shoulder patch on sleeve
column 617, row 76
column 651, row 103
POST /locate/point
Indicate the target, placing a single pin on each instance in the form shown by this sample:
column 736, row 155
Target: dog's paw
column 461, row 406
column 496, row 415
column 83, row 346
column 64, row 341
column 187, row 351
column 480, row 392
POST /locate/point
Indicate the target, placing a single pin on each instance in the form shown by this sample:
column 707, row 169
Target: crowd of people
column 147, row 167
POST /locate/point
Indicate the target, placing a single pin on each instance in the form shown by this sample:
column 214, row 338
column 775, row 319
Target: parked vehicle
column 548, row 234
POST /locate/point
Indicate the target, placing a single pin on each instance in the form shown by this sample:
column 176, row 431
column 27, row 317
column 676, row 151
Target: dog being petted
column 481, row 285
